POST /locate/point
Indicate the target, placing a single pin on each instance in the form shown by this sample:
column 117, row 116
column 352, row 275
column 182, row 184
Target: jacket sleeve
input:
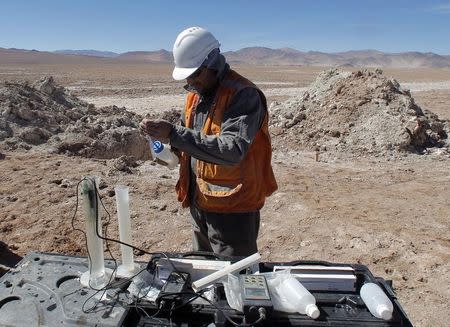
column 241, row 122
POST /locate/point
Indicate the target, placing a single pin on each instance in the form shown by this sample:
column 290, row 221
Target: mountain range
column 251, row 56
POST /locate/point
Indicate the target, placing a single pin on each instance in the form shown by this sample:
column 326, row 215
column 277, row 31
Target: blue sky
column 319, row 25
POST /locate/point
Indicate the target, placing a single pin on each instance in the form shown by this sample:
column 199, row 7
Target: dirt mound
column 45, row 114
column 361, row 112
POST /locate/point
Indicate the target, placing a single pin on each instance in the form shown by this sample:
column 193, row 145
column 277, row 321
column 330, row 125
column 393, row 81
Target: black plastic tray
column 337, row 308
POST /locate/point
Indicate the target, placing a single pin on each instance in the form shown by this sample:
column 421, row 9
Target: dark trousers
column 228, row 234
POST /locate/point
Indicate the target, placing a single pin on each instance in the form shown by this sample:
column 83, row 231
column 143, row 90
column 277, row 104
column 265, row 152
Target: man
column 224, row 144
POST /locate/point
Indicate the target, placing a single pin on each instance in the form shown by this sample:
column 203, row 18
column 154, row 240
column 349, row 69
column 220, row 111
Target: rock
column 13, row 247
column 305, row 96
column 362, row 102
column 125, row 163
column 305, row 243
column 45, row 85
column 5, row 129
column 23, row 112
column 335, row 133
column 34, row 135
column 65, row 183
column 2, row 156
column 102, row 185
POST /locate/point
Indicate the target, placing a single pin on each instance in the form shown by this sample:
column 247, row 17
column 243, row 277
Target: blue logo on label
column 157, row 146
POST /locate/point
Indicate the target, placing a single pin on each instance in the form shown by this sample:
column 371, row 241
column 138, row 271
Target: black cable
column 105, row 288
column 96, row 196
column 97, row 218
column 109, row 284
column 95, row 199
column 104, row 237
column 261, row 311
column 123, row 243
column 196, row 296
column 77, row 229
column 261, row 315
column 143, row 296
column 155, row 256
column 86, row 244
column 96, row 193
column 159, row 308
column 83, row 232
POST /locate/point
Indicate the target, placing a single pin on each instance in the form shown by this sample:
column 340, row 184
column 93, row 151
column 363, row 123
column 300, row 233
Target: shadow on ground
column 8, row 259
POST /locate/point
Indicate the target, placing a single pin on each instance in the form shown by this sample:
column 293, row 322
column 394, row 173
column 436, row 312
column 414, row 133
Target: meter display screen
column 256, row 293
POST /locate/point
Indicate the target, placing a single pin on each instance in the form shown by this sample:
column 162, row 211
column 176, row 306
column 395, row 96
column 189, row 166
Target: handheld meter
column 255, row 295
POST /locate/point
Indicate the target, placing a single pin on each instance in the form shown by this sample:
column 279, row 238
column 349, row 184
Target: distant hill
column 92, row 53
column 361, row 58
column 20, row 56
column 161, row 56
column 250, row 56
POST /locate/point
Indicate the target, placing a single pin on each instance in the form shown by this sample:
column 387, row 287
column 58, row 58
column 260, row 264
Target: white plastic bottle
column 376, row 301
column 163, row 153
column 299, row 297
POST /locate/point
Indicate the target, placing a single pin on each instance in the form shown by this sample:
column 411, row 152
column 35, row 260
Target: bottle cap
column 312, row 311
column 157, row 146
column 384, row 312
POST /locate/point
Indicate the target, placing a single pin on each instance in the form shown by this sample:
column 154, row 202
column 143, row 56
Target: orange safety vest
column 229, row 188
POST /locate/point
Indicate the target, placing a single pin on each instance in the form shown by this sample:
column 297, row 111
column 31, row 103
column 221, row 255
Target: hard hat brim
column 182, row 73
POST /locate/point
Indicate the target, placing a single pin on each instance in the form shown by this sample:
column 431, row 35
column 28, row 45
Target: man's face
column 203, row 80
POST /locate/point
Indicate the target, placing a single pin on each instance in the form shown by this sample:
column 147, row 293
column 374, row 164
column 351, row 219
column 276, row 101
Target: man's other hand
column 158, row 129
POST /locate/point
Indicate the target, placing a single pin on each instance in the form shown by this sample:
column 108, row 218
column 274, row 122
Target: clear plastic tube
column 95, row 277
column 123, row 214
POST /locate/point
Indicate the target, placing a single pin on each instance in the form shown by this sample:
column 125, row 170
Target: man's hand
column 158, row 129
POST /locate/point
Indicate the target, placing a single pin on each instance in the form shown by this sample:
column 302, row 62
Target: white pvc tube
column 218, row 275
column 123, row 214
column 95, row 277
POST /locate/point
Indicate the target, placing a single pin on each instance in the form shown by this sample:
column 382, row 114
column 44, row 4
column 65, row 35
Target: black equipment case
column 44, row 288
column 337, row 308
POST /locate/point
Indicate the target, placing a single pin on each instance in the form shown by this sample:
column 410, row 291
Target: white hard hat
column 190, row 49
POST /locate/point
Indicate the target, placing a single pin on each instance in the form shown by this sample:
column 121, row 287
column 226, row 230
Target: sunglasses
column 196, row 74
